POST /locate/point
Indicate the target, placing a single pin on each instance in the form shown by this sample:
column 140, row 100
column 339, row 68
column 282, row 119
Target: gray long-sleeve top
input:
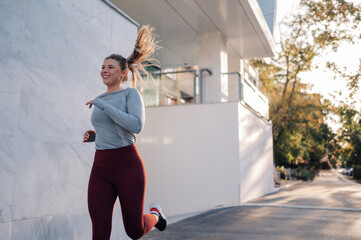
column 116, row 117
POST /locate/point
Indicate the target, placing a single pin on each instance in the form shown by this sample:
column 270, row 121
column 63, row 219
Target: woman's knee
column 134, row 233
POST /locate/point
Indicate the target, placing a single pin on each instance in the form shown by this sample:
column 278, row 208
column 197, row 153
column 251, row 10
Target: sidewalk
column 286, row 184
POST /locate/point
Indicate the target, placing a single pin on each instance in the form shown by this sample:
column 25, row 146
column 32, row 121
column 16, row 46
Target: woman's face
column 111, row 72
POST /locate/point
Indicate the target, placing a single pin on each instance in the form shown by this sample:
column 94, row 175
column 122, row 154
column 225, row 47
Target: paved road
column 327, row 208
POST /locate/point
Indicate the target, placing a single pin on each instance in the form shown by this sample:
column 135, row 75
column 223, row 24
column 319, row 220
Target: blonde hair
column 145, row 46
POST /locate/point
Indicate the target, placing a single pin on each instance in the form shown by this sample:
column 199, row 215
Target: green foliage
column 301, row 136
column 350, row 135
column 306, row 174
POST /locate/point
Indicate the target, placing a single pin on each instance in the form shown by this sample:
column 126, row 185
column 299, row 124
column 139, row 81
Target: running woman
column 118, row 170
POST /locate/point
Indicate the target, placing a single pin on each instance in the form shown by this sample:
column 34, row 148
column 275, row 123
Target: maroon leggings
column 118, row 173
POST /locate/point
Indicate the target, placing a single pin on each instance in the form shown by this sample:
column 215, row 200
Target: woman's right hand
column 90, row 103
column 87, row 135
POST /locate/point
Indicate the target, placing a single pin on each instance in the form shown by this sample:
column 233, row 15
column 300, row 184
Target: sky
column 321, row 79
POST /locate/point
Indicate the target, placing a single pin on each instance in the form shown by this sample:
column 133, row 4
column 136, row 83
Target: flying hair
column 145, row 46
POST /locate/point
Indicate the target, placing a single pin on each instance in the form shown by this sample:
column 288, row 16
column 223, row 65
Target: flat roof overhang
column 179, row 22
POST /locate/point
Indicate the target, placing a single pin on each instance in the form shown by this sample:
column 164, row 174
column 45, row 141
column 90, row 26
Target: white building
column 214, row 152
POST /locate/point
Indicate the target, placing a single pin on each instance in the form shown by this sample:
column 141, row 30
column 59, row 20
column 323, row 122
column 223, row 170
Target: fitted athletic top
column 116, row 117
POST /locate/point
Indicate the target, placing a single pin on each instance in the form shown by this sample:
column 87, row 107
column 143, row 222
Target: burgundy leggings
column 118, row 173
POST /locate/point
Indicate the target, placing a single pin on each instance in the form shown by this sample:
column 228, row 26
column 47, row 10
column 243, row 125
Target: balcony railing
column 248, row 93
column 170, row 88
column 185, row 87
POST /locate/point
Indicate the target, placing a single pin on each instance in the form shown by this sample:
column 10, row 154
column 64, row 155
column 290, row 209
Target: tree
column 301, row 136
column 349, row 134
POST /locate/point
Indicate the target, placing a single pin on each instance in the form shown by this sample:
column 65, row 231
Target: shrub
column 305, row 174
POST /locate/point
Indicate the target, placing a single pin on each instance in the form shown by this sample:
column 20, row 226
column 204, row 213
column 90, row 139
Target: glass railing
column 185, row 87
column 170, row 88
column 242, row 89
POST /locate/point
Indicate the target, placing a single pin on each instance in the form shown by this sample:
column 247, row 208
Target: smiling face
column 111, row 73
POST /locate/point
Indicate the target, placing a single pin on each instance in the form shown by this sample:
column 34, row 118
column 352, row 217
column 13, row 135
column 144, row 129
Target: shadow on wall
column 256, row 156
column 197, row 149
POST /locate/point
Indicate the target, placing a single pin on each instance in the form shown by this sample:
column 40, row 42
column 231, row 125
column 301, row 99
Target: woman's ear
column 124, row 73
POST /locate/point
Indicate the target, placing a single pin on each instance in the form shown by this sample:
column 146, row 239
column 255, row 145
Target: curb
column 300, row 207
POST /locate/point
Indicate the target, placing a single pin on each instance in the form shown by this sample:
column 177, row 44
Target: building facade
column 211, row 147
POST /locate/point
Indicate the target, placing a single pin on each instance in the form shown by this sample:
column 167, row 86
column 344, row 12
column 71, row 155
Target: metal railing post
column 201, row 81
column 194, row 86
column 240, row 84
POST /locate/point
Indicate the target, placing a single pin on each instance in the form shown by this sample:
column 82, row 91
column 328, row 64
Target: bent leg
column 101, row 199
column 136, row 223
column 131, row 189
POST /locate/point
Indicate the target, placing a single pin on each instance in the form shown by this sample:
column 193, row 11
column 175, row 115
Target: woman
column 118, row 170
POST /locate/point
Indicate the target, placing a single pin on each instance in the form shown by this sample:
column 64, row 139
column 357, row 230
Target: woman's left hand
column 90, row 103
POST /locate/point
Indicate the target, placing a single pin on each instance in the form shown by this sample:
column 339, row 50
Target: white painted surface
column 254, row 98
column 50, row 56
column 234, row 65
column 212, row 54
column 240, row 21
column 256, row 155
column 191, row 156
column 201, row 156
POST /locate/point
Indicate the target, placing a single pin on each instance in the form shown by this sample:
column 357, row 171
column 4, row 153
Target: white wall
column 256, row 155
column 202, row 156
column 190, row 153
column 212, row 54
column 50, row 56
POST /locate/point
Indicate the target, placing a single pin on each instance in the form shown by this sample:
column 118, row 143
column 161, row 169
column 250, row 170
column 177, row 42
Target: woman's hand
column 87, row 135
column 90, row 103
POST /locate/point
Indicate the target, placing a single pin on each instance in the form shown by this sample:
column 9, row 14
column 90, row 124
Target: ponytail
column 145, row 45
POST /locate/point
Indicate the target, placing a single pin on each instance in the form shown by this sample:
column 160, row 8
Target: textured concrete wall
column 50, row 56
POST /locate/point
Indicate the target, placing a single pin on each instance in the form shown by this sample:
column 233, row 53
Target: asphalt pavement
column 327, row 208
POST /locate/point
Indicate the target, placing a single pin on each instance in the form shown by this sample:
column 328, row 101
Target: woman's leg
column 101, row 199
column 130, row 185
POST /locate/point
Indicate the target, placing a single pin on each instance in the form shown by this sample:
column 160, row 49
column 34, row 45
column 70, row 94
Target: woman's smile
column 111, row 72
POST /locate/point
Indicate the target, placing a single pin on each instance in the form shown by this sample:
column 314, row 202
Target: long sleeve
column 132, row 121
